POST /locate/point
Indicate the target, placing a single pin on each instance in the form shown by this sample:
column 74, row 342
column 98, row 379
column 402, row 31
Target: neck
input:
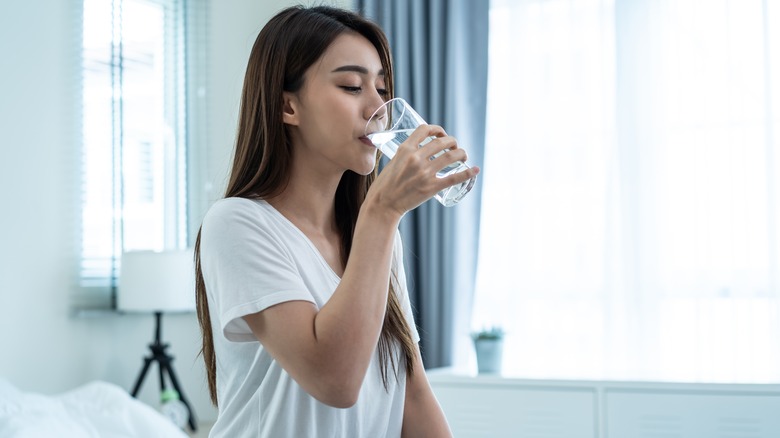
column 308, row 201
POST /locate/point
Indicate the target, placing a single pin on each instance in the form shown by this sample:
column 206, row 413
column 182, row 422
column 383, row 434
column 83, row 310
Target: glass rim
column 385, row 104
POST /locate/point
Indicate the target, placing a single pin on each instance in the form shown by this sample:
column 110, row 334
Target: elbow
column 334, row 381
column 338, row 394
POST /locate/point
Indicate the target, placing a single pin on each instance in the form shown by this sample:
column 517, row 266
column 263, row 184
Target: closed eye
column 353, row 90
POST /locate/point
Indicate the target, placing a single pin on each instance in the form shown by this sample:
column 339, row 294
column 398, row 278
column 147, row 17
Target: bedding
column 94, row 410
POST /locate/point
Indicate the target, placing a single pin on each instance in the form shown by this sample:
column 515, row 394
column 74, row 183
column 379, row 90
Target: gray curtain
column 440, row 54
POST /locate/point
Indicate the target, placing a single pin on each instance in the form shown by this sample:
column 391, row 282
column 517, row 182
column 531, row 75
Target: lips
column 365, row 140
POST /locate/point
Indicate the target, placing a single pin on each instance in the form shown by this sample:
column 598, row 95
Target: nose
column 375, row 114
column 378, row 122
column 374, row 102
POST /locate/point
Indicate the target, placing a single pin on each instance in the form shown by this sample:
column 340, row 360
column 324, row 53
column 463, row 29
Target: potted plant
column 489, row 345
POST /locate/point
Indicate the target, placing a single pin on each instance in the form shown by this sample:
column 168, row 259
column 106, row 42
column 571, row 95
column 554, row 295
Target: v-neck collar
column 303, row 235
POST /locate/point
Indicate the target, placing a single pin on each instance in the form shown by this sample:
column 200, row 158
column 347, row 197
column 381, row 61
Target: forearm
column 347, row 328
column 328, row 350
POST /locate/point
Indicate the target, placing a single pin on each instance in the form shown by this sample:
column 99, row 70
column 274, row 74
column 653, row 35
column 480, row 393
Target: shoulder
column 242, row 222
column 233, row 222
column 235, row 212
column 229, row 207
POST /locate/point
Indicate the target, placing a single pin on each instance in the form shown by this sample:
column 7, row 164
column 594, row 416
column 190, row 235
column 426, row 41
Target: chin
column 364, row 170
column 367, row 166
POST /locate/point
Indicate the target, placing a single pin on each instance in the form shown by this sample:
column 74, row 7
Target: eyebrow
column 357, row 69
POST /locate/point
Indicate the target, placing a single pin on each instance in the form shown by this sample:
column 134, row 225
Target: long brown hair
column 286, row 47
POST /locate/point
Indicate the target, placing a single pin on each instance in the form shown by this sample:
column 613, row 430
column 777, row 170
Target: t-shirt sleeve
column 402, row 290
column 246, row 267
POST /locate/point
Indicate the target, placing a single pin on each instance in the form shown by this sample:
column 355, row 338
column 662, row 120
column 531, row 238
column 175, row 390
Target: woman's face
column 328, row 115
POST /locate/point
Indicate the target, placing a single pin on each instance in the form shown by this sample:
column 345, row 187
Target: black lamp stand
column 164, row 360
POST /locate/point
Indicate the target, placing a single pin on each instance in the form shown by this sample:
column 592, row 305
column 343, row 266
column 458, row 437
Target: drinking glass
column 393, row 123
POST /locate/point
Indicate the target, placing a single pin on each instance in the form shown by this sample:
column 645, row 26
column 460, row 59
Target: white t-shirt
column 252, row 258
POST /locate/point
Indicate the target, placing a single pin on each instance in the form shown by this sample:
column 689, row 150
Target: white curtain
column 631, row 189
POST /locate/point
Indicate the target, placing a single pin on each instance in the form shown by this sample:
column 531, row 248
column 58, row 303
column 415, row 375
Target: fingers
column 444, row 151
column 412, row 176
column 432, row 139
column 459, row 177
column 435, row 146
column 424, row 131
column 421, row 135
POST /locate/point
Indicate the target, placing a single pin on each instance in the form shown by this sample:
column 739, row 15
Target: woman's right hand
column 409, row 179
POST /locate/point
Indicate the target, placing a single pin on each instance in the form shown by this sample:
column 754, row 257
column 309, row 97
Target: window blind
column 134, row 133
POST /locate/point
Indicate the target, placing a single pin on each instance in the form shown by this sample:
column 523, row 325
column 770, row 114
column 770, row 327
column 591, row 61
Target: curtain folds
column 440, row 54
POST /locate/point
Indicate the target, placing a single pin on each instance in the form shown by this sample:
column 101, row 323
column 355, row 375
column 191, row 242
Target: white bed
column 96, row 409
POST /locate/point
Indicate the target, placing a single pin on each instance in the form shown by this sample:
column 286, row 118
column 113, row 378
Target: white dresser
column 493, row 407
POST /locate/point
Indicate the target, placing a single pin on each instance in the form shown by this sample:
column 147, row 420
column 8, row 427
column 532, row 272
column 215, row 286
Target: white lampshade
column 157, row 281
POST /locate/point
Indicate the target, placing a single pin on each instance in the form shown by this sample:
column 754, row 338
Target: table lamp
column 158, row 282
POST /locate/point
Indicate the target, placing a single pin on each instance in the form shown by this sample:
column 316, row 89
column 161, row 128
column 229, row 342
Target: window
column 134, row 155
column 632, row 189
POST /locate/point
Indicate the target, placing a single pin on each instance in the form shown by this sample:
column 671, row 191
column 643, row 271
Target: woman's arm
column 423, row 416
column 328, row 351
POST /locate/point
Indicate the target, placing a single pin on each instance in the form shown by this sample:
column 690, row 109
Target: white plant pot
column 490, row 353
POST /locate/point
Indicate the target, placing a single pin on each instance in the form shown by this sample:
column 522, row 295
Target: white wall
column 43, row 347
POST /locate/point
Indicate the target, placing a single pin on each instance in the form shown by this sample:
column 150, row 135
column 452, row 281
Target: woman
column 302, row 301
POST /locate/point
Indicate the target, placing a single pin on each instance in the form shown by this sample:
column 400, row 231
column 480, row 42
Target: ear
column 289, row 107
